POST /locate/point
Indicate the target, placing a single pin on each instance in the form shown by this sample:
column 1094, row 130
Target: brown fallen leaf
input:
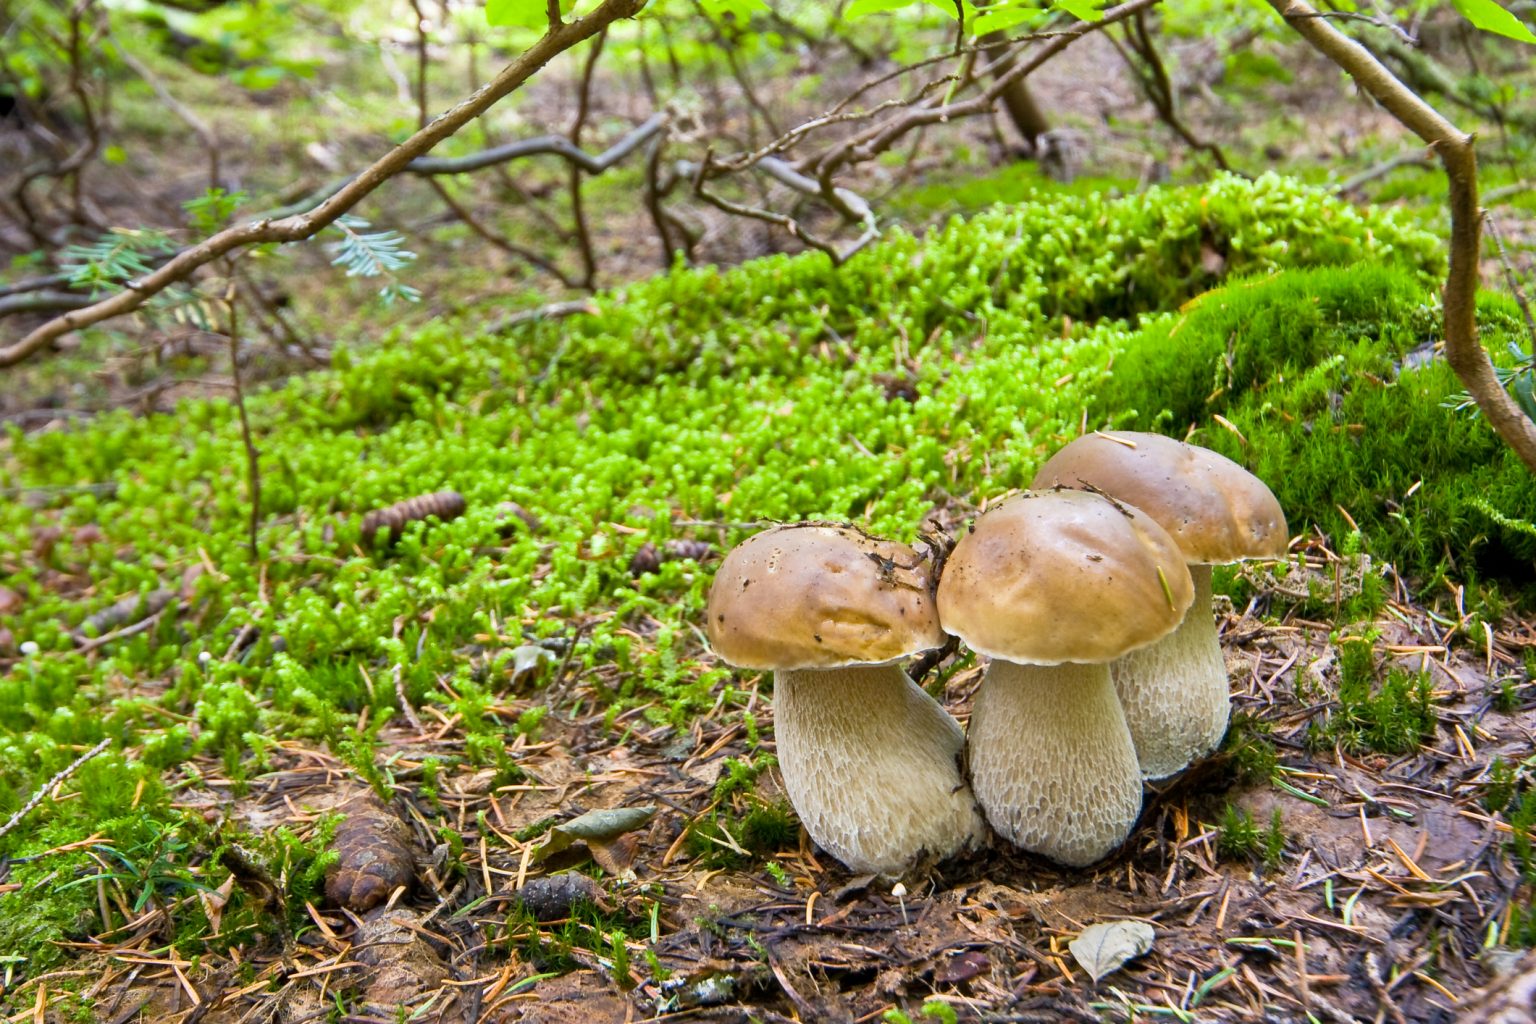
column 10, row 601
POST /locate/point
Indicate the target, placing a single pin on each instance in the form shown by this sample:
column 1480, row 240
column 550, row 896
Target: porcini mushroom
column 1175, row 691
column 1052, row 586
column 871, row 763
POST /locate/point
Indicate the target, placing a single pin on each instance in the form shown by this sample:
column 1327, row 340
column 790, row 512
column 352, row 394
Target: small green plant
column 1238, row 836
column 1507, row 698
column 1252, row 752
column 1393, row 718
column 1502, row 785
column 934, row 1009
column 1522, row 920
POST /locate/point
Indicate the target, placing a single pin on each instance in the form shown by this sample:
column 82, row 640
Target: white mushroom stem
column 872, row 766
column 1175, row 691
column 1051, row 760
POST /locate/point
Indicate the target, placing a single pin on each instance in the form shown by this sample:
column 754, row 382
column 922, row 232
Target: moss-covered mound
column 1331, row 390
column 685, row 407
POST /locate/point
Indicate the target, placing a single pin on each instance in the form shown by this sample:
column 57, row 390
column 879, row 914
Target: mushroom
column 1052, row 586
column 871, row 763
column 1175, row 691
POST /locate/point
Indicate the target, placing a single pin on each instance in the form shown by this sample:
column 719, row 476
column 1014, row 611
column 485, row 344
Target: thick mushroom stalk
column 1178, row 687
column 1052, row 587
column 1052, row 762
column 1175, row 691
column 871, row 764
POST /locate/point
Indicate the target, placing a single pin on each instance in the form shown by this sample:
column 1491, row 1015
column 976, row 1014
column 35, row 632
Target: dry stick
column 1463, row 350
column 557, row 40
column 1510, row 278
column 469, row 220
column 578, row 211
column 253, row 469
column 47, row 787
column 1158, row 87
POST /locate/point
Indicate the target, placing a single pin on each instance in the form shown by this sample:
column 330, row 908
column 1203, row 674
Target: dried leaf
column 10, row 601
column 961, row 968
column 527, row 658
column 1105, row 947
column 596, row 826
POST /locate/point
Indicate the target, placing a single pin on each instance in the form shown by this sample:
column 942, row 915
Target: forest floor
column 1331, row 883
column 1354, row 887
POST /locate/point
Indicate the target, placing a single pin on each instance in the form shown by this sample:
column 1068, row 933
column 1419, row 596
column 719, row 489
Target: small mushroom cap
column 1216, row 510
column 1048, row 577
column 817, row 596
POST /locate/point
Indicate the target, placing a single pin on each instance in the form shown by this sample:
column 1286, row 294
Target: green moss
column 1332, row 395
column 1392, row 716
column 1240, row 838
column 1252, row 752
column 685, row 407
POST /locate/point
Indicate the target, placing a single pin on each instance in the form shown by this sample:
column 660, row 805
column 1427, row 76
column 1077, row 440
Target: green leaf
column 1082, row 10
column 521, row 13
column 740, row 10
column 997, row 19
column 863, row 8
column 1490, row 17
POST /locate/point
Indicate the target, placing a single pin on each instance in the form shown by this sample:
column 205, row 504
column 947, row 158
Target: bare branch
column 557, row 40
column 1463, row 350
column 557, row 145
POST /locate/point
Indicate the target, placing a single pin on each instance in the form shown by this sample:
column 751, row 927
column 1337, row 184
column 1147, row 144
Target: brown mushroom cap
column 1048, row 577
column 803, row 596
column 1215, row 510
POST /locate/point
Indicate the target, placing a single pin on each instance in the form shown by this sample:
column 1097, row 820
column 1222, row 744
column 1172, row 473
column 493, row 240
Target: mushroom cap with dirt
column 871, row 763
column 1175, row 692
column 1052, row 586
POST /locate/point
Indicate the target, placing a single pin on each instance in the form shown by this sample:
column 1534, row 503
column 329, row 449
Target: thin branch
column 1511, row 279
column 557, row 145
column 252, row 456
column 578, row 211
column 878, row 138
column 1420, row 160
column 1463, row 350
column 553, row 311
column 48, row 786
column 301, row 226
column 1158, row 86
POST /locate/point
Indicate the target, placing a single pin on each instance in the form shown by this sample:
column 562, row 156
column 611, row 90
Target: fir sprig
column 374, row 254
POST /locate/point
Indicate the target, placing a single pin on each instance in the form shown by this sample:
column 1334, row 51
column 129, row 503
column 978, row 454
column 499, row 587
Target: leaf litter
column 1391, row 896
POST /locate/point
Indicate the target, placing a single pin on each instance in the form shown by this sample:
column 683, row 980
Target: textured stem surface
column 1174, row 692
column 1051, row 760
column 872, row 766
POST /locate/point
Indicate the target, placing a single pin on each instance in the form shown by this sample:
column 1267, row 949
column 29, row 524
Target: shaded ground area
column 1372, row 886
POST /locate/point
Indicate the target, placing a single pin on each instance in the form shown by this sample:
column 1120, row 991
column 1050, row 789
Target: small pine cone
column 391, row 521
column 647, row 559
column 375, row 856
column 690, row 550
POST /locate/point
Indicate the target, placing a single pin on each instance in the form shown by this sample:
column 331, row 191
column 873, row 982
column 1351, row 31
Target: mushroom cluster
column 1090, row 596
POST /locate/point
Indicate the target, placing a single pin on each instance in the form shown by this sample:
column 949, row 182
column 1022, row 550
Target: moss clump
column 1240, row 838
column 699, row 397
column 1393, row 717
column 1251, row 750
column 1333, row 395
